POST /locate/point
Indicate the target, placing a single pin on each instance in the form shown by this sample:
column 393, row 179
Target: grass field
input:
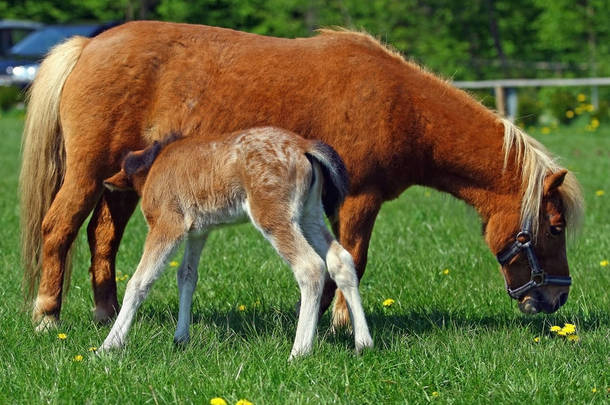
column 448, row 338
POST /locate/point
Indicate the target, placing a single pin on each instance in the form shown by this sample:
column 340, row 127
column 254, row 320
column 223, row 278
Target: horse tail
column 44, row 156
column 336, row 179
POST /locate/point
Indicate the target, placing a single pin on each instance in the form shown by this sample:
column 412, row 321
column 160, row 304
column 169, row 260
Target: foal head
column 531, row 244
column 135, row 167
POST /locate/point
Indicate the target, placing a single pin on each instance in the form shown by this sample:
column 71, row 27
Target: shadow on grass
column 281, row 323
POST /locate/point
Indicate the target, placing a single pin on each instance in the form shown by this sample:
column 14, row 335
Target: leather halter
column 538, row 276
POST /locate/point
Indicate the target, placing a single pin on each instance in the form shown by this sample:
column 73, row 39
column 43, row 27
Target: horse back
column 141, row 80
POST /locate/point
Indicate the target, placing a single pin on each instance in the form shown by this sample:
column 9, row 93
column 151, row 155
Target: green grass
column 458, row 335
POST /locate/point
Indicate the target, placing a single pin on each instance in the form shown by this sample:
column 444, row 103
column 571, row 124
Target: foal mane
column 536, row 164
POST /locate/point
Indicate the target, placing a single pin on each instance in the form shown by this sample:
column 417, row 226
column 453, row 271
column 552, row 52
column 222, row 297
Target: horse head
column 533, row 258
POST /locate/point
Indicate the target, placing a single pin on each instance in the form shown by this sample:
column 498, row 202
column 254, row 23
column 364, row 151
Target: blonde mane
column 536, row 163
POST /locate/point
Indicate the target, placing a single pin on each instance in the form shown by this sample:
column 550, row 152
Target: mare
column 393, row 123
column 191, row 185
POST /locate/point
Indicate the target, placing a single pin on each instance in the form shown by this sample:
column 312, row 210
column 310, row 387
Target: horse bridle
column 538, row 276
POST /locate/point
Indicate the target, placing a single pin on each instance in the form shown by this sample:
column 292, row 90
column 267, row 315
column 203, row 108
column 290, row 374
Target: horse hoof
column 103, row 315
column 47, row 323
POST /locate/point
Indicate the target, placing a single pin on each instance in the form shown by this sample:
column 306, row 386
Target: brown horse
column 393, row 123
column 273, row 177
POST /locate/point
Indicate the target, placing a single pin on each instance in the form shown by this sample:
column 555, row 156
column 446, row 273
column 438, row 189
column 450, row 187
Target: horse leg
column 354, row 228
column 341, row 269
column 73, row 202
column 105, row 231
column 161, row 242
column 187, row 281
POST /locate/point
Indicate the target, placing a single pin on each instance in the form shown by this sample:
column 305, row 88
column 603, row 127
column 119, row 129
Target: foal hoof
column 366, row 343
column 182, row 339
column 47, row 323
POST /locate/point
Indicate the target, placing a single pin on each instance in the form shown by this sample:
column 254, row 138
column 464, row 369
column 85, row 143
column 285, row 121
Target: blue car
column 21, row 64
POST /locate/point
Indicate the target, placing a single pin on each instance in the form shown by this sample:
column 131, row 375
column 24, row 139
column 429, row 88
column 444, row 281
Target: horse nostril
column 563, row 298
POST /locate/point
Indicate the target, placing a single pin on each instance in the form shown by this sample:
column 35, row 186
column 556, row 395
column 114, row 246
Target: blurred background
column 460, row 40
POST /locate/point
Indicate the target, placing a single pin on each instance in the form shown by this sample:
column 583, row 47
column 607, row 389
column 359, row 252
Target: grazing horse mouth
column 534, row 303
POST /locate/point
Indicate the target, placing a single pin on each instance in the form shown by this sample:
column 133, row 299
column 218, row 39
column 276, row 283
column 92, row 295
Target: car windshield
column 38, row 43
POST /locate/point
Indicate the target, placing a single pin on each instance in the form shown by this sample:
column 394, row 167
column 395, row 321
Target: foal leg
column 354, row 228
column 105, row 231
column 73, row 202
column 160, row 243
column 341, row 269
column 187, row 281
column 309, row 271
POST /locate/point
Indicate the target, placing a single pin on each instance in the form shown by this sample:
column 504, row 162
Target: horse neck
column 468, row 160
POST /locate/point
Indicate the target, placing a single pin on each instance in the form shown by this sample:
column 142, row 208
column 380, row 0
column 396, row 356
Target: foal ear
column 119, row 182
column 554, row 180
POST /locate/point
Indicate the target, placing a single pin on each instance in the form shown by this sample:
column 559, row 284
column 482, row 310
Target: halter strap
column 538, row 277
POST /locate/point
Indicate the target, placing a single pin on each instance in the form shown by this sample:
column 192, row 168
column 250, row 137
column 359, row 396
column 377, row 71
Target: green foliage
column 530, row 107
column 9, row 96
column 560, row 101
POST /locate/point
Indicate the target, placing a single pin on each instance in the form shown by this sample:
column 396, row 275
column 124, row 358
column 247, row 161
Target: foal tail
column 43, row 161
column 336, row 180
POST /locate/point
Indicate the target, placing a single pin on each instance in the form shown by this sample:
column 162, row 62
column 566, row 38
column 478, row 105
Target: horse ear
column 119, row 182
column 554, row 180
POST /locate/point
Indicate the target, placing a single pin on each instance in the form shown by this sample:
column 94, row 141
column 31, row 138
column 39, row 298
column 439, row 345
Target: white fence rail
column 506, row 96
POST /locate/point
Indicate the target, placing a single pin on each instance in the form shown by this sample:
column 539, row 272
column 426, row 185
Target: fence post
column 500, row 106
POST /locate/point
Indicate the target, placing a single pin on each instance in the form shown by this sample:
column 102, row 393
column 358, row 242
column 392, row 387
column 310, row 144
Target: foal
column 278, row 179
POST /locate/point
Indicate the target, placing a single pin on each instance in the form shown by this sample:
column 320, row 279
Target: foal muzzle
column 523, row 243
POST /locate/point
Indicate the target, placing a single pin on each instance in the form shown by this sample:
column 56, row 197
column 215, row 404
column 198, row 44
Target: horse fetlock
column 105, row 313
column 46, row 323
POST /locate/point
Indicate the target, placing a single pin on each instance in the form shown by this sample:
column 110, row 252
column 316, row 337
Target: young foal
column 279, row 180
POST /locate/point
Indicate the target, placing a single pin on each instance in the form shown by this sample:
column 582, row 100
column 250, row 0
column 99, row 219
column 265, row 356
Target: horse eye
column 556, row 230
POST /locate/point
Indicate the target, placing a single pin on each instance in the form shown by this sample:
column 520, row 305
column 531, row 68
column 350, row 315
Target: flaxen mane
column 536, row 163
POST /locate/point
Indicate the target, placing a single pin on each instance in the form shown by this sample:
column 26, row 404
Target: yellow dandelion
column 62, row 336
column 604, row 263
column 570, row 114
column 555, row 328
column 218, row 401
column 388, row 302
column 446, row 271
column 562, row 332
column 579, row 110
column 590, row 107
column 257, row 304
column 241, row 308
column 546, row 130
column 595, row 123
column 573, row 338
column 594, row 390
column 124, row 277
column 567, row 331
column 599, row 193
column 93, row 349
column 581, row 97
column 78, row 357
column 435, row 394
column 173, row 263
column 536, row 339
column 243, row 402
